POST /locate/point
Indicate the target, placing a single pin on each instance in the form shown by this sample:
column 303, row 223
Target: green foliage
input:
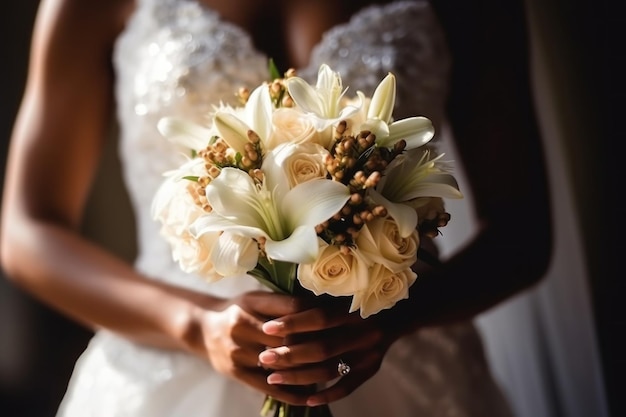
column 274, row 72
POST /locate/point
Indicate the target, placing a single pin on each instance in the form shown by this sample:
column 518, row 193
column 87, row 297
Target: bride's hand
column 316, row 340
column 231, row 337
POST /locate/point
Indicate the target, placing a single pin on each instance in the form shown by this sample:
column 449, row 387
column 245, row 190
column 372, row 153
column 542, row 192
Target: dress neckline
column 308, row 67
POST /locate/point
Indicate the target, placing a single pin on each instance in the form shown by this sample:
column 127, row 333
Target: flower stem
column 281, row 409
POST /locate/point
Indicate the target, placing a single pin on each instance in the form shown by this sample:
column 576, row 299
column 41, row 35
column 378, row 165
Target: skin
column 60, row 132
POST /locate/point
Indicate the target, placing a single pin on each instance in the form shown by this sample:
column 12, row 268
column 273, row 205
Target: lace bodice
column 178, row 57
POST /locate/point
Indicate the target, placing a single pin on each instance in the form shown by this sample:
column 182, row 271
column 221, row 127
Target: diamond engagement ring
column 343, row 368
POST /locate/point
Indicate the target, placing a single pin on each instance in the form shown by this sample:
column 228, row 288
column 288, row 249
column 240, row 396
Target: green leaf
column 274, row 72
column 192, row 178
column 263, row 278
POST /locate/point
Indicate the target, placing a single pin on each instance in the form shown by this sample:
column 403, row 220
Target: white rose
column 175, row 208
column 295, row 164
column 334, row 272
column 291, row 126
column 305, row 162
column 385, row 289
column 194, row 255
column 380, row 241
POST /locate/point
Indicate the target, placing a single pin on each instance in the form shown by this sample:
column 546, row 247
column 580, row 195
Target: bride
column 168, row 344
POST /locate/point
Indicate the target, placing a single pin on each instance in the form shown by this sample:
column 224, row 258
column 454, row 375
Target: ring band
column 343, row 368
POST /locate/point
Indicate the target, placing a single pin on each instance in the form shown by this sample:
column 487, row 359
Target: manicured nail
column 268, row 357
column 275, row 379
column 273, row 327
column 314, row 402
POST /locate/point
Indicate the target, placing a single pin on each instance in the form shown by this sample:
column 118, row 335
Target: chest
column 287, row 30
column 183, row 56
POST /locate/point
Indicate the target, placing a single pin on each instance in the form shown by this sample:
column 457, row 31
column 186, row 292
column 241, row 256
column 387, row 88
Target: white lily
column 383, row 100
column 322, row 102
column 272, row 211
column 416, row 131
column 412, row 176
column 256, row 116
column 233, row 254
column 186, row 133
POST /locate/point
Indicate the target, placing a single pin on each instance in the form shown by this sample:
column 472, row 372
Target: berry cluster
column 357, row 162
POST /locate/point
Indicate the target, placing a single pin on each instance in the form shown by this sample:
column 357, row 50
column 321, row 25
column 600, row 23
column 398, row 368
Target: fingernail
column 273, row 327
column 275, row 379
column 268, row 357
column 314, row 402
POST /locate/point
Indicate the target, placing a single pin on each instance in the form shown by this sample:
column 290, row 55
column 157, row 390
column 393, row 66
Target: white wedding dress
column 177, row 57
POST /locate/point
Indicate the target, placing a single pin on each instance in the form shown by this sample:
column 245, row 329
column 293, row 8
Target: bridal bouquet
column 305, row 188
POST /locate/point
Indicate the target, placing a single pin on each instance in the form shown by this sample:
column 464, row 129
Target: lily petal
column 404, row 215
column 304, row 95
column 183, row 132
column 438, row 185
column 327, row 79
column 215, row 223
column 416, row 131
column 232, row 130
column 259, row 111
column 300, row 247
column 324, row 198
column 383, row 99
column 234, row 254
column 379, row 128
column 273, row 170
column 233, row 195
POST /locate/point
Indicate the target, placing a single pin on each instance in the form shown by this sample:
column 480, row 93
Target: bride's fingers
column 344, row 386
column 286, row 394
column 268, row 304
column 325, row 371
column 322, row 347
column 310, row 320
column 241, row 327
column 341, row 389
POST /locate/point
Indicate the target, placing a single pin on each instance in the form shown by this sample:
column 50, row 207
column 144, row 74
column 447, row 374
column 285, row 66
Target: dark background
column 585, row 55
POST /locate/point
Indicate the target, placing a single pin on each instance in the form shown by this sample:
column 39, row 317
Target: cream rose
column 305, row 163
column 175, row 208
column 194, row 255
column 291, row 126
column 380, row 241
column 296, row 163
column 334, row 272
column 385, row 289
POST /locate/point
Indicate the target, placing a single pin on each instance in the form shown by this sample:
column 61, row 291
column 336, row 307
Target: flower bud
column 383, row 99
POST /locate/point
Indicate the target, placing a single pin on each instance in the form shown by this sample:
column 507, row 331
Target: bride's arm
column 497, row 136
column 56, row 142
column 54, row 151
